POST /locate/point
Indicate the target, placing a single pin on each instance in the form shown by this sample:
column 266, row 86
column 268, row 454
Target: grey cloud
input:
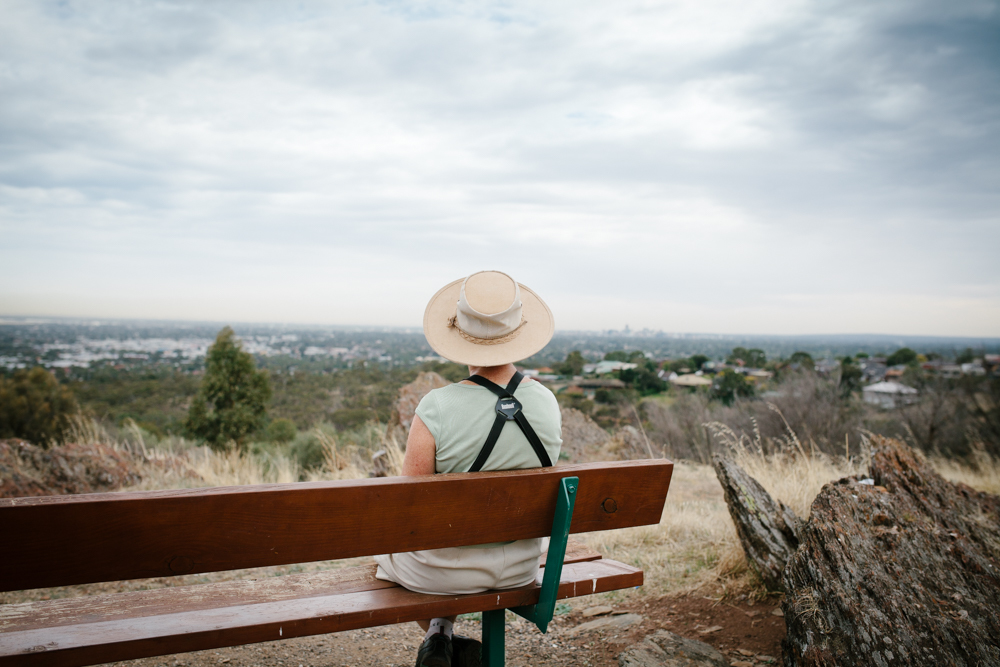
column 856, row 142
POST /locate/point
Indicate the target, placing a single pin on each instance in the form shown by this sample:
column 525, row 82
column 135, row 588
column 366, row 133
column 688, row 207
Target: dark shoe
column 435, row 651
column 468, row 652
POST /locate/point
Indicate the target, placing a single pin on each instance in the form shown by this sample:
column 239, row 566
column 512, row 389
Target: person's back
column 495, row 420
column 459, row 417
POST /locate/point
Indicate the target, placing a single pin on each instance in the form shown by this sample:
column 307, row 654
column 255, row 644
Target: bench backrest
column 65, row 540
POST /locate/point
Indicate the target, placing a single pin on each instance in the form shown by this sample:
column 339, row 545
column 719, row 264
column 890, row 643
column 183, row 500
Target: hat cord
column 507, row 337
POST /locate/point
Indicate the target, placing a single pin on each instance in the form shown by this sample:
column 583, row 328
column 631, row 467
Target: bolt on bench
column 69, row 540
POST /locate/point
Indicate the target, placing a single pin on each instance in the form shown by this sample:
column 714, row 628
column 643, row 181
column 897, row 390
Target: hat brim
column 450, row 344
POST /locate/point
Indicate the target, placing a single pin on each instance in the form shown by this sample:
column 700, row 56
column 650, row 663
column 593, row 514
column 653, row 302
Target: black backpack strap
column 498, row 423
column 491, row 441
column 533, row 439
column 495, row 388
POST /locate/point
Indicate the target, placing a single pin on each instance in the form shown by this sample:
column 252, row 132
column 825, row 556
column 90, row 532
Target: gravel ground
column 747, row 633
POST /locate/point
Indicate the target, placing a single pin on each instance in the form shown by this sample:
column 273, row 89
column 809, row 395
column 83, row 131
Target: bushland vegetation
column 948, row 416
column 34, row 406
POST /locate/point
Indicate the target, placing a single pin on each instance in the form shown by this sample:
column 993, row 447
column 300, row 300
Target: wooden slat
column 65, row 540
column 101, row 640
column 576, row 552
column 178, row 599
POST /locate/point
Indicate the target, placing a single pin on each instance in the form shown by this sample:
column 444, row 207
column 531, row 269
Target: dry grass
column 983, row 474
column 176, row 463
column 695, row 546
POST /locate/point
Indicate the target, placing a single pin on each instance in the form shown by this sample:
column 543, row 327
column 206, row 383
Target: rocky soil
column 29, row 470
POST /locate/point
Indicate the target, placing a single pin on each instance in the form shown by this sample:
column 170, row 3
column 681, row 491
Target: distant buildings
column 589, row 388
column 603, row 367
column 889, row 394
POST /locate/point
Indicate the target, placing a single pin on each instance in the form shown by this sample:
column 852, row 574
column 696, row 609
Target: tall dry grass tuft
column 234, row 468
column 789, row 472
column 180, row 463
column 695, row 545
column 88, row 431
column 353, row 455
column 982, row 472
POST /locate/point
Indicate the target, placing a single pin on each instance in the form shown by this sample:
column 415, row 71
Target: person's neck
column 496, row 374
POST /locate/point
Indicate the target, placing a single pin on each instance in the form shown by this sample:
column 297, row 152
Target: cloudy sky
column 752, row 166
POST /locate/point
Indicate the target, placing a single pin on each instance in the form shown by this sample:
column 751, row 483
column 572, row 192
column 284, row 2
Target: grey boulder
column 665, row 649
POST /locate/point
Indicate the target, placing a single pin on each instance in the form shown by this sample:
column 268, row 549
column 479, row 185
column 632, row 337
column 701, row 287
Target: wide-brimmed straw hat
column 487, row 319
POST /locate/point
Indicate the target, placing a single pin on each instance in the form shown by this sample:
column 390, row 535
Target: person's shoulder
column 539, row 390
column 449, row 392
column 452, row 388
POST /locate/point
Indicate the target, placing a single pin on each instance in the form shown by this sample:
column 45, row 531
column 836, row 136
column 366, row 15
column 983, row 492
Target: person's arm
column 420, row 449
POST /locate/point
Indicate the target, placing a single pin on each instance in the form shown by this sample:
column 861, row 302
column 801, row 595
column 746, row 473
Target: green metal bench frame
column 540, row 613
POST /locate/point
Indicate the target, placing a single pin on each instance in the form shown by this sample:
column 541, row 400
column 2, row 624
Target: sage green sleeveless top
column 460, row 416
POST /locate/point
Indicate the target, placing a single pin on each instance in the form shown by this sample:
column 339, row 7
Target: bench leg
column 493, row 639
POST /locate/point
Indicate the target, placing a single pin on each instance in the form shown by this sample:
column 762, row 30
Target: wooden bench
column 70, row 540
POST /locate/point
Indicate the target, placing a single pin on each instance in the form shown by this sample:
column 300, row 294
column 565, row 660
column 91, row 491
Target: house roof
column 602, row 367
column 600, row 384
column 691, row 381
column 889, row 388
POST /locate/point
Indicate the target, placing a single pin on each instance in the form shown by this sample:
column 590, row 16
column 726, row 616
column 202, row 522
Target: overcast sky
column 751, row 166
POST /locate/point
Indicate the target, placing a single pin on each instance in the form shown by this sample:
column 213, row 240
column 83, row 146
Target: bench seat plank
column 137, row 535
column 177, row 599
column 99, row 639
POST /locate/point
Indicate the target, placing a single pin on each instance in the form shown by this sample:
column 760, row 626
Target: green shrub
column 34, row 406
column 346, row 420
column 281, row 430
column 308, row 451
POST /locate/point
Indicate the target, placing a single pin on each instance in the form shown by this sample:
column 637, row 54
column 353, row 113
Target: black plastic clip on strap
column 508, row 408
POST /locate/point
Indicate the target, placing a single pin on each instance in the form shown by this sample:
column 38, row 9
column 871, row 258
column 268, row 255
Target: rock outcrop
column 582, row 438
column 665, row 649
column 29, row 470
column 899, row 569
column 406, row 403
column 768, row 530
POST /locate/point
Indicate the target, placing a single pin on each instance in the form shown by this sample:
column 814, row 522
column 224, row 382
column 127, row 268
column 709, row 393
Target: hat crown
column 489, row 305
column 490, row 292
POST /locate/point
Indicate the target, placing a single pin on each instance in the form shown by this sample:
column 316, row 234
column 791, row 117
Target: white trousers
column 462, row 570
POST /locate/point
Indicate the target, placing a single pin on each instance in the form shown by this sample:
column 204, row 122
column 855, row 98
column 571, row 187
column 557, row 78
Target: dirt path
column 747, row 634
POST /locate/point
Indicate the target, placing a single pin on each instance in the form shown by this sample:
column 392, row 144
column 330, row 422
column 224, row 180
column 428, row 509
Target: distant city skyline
column 737, row 167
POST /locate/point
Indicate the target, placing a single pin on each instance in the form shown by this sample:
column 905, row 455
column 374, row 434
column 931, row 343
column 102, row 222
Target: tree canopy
column 850, row 377
column 232, row 399
column 803, row 359
column 753, row 358
column 903, row 355
column 633, row 357
column 573, row 364
column 730, row 385
column 698, row 360
column 34, row 406
column 642, row 379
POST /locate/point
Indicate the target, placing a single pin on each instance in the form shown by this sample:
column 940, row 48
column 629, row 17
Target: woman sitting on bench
column 487, row 321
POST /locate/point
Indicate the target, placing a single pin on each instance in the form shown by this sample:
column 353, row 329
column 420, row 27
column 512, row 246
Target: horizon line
column 11, row 320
